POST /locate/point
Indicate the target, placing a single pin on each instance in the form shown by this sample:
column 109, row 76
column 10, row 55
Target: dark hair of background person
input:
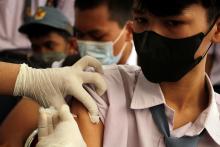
column 120, row 10
column 175, row 7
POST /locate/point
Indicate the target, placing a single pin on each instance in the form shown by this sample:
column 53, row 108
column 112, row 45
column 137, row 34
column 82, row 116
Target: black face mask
column 166, row 60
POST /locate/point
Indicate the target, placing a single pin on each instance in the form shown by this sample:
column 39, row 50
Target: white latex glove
column 50, row 86
column 58, row 129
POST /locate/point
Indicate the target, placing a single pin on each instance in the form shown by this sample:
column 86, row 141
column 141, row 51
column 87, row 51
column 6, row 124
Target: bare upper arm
column 92, row 133
column 20, row 122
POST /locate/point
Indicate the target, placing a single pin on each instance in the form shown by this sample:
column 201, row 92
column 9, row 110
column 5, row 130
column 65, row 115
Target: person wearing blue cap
column 50, row 34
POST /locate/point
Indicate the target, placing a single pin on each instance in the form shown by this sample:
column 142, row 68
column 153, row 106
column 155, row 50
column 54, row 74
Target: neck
column 188, row 93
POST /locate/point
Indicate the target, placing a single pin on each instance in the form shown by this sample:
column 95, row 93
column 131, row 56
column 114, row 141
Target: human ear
column 216, row 36
column 72, row 50
column 129, row 28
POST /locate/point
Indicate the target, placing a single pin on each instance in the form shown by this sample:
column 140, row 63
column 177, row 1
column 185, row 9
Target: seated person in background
column 103, row 30
column 51, row 38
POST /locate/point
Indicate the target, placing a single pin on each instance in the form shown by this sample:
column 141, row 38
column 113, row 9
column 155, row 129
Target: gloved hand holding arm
column 50, row 86
column 58, row 129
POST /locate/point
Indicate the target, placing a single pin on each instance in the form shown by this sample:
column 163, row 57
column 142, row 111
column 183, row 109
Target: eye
column 98, row 37
column 173, row 23
column 140, row 20
column 49, row 45
column 140, row 23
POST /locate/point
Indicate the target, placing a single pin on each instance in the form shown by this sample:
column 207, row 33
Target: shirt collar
column 147, row 94
column 212, row 121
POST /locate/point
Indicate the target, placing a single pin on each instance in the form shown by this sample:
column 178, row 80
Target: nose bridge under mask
column 165, row 59
column 103, row 51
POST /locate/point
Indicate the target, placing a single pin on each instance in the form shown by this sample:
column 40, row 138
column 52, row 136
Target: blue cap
column 47, row 16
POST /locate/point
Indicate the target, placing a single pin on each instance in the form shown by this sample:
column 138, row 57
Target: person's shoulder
column 121, row 69
column 121, row 76
column 120, row 79
column 92, row 132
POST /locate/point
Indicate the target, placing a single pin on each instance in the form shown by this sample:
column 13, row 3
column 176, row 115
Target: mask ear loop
column 123, row 49
column 201, row 57
column 119, row 36
column 210, row 28
column 117, row 39
column 207, row 51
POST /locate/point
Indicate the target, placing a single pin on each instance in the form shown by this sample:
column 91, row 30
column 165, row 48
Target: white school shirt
column 124, row 111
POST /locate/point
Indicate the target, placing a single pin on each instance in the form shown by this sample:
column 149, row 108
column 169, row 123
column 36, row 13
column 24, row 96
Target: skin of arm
column 19, row 124
column 23, row 119
column 8, row 75
column 92, row 133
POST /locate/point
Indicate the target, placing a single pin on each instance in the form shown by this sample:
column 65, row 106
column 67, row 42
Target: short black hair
column 40, row 30
column 120, row 10
column 175, row 7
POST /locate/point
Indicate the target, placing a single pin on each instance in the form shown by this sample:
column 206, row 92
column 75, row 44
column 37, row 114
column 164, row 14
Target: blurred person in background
column 51, row 37
column 103, row 30
column 15, row 13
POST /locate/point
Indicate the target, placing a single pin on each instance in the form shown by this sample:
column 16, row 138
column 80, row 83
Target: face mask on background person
column 164, row 59
column 103, row 51
column 50, row 57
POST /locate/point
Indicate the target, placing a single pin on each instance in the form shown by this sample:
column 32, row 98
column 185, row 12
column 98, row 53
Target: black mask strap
column 210, row 28
column 207, row 51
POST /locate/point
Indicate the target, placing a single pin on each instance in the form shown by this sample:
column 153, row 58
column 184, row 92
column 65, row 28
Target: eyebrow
column 94, row 31
column 182, row 14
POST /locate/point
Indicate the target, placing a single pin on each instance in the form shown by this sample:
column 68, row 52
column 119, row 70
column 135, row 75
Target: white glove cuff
column 36, row 84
